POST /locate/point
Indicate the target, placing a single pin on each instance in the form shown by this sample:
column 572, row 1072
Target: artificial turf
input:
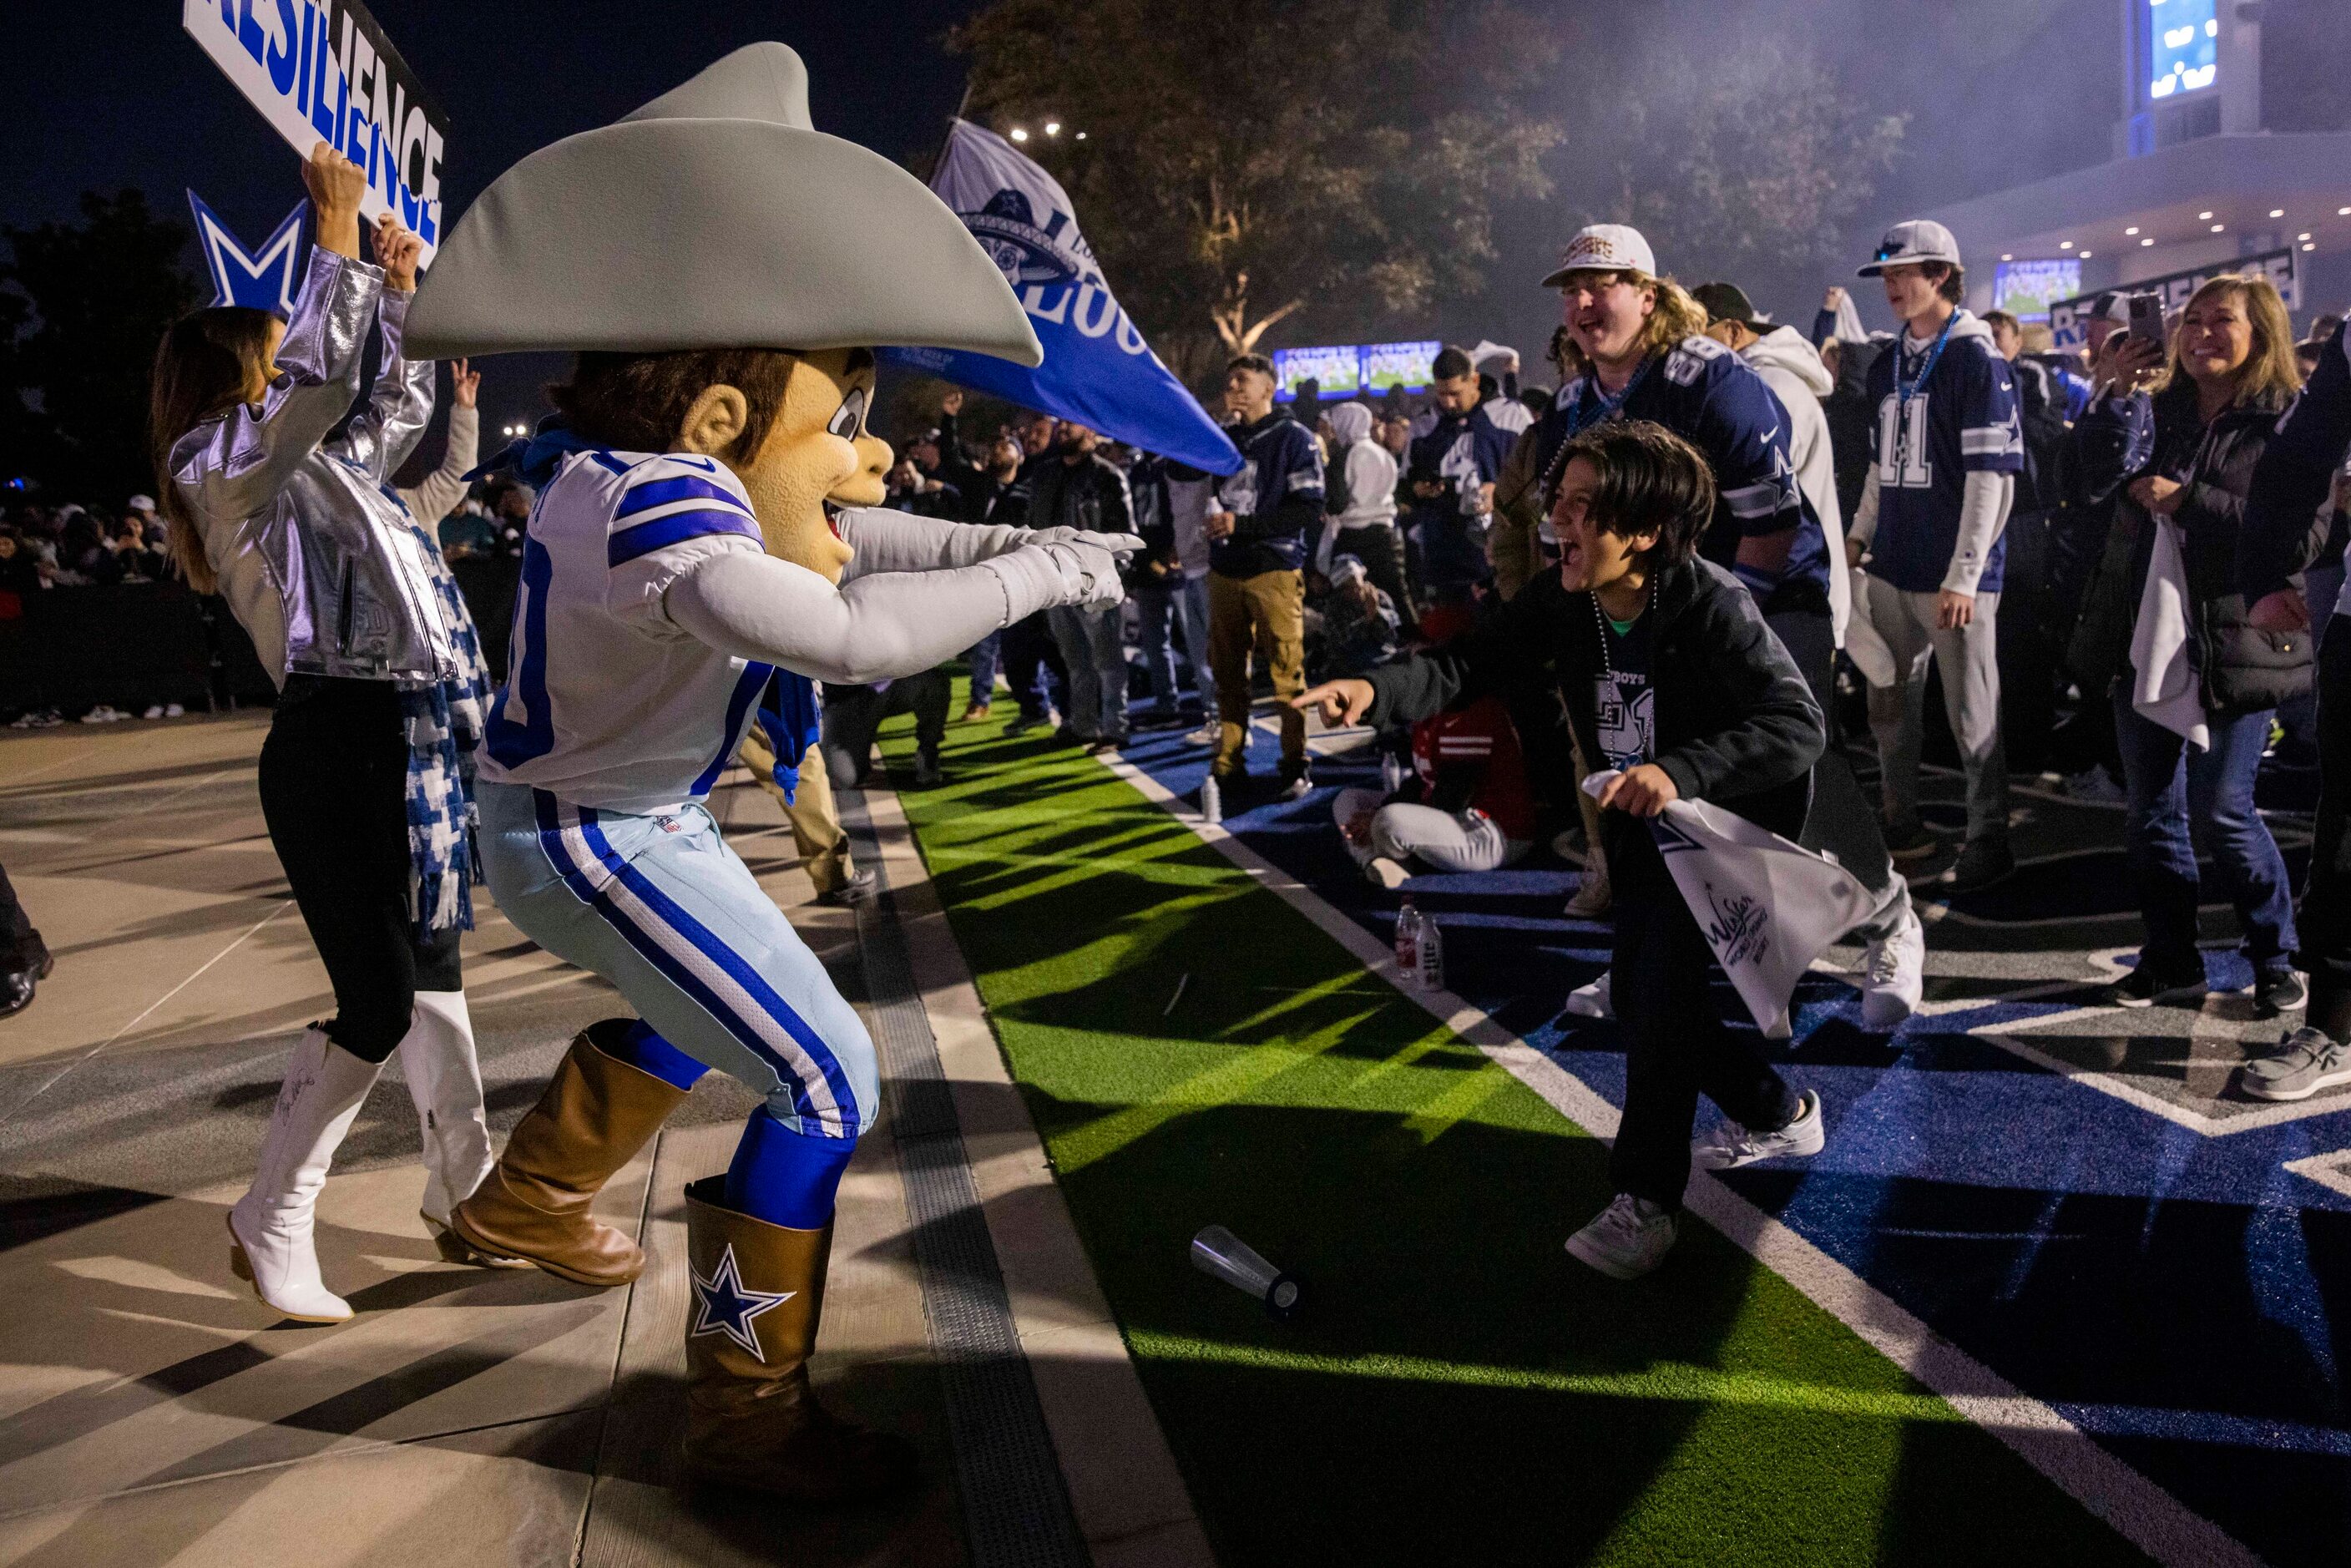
column 1457, row 1389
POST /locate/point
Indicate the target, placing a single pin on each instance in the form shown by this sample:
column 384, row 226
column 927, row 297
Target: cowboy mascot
column 707, row 543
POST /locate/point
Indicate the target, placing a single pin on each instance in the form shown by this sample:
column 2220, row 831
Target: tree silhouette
column 85, row 305
column 1244, row 164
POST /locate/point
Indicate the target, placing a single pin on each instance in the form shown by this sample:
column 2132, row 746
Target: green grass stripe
column 1461, row 1390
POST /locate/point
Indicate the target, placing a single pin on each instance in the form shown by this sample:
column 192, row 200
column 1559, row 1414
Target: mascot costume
column 705, row 544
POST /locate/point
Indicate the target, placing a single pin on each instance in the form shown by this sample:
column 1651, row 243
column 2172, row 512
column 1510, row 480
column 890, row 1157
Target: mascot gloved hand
column 708, row 533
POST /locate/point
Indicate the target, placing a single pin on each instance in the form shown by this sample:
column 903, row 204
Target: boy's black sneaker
column 1296, row 781
column 1980, row 864
column 2147, row 986
column 2277, row 991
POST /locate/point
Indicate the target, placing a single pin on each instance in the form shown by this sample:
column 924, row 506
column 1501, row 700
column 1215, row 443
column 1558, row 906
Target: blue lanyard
column 1906, row 390
column 1609, row 407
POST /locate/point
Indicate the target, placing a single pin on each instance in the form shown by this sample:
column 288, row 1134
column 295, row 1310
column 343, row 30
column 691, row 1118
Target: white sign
column 2175, row 288
column 322, row 70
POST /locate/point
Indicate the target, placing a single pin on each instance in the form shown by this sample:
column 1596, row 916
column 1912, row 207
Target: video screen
column 1337, row 369
column 1405, row 365
column 2026, row 289
column 2183, row 39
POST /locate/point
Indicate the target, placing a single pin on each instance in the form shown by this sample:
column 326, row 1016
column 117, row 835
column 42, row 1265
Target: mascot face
column 817, row 456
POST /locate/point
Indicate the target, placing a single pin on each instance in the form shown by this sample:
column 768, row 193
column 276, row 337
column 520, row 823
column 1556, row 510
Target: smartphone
column 2146, row 318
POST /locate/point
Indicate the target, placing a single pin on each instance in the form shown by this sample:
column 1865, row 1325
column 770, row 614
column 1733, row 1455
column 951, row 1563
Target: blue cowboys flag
column 1097, row 370
column 267, row 278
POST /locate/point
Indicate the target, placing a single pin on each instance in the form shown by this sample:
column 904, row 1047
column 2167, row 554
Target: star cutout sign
column 267, row 278
column 722, row 1305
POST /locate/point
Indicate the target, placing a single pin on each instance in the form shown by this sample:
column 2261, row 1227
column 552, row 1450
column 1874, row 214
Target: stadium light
column 1018, row 134
column 1053, row 128
column 2132, row 230
column 2218, row 229
column 2008, row 255
column 2064, row 245
column 2085, row 255
column 2150, row 241
column 2277, row 212
column 1082, row 136
column 2203, row 217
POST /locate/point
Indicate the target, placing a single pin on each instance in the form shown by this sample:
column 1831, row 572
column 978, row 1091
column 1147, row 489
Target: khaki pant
column 822, row 841
column 1265, row 614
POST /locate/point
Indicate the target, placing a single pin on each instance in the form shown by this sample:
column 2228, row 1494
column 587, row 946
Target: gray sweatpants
column 1968, row 657
column 1442, row 840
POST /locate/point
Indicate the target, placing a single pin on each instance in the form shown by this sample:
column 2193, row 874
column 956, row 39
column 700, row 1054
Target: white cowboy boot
column 270, row 1228
column 444, row 1080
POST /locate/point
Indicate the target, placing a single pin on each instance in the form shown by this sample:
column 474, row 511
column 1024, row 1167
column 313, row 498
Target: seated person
column 1357, row 621
column 1466, row 808
column 852, row 714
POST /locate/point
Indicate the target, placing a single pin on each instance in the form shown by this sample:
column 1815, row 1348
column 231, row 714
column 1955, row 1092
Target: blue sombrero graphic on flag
column 264, row 279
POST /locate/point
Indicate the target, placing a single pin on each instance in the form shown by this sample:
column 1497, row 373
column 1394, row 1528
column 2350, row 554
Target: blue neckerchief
column 791, row 716
column 1904, row 391
column 1609, row 407
column 537, row 456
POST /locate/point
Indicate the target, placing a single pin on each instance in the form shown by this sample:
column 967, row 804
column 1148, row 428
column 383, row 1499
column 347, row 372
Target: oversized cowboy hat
column 714, row 217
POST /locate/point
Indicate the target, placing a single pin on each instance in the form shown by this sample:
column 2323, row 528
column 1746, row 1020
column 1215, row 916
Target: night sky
column 110, row 93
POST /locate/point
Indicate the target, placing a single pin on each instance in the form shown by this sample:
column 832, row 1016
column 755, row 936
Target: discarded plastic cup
column 1217, row 1251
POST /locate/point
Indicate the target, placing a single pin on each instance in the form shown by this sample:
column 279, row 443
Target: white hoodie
column 1792, row 368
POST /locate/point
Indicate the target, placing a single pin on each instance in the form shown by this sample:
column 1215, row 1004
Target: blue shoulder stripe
column 651, row 493
column 630, row 543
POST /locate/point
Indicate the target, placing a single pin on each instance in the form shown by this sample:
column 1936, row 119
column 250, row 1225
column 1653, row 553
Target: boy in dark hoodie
column 1671, row 676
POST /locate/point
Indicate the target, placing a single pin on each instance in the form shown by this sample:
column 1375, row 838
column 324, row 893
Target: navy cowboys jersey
column 1712, row 399
column 1963, row 419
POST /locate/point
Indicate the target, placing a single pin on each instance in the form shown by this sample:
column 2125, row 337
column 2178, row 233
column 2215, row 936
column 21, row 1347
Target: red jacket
column 1469, row 760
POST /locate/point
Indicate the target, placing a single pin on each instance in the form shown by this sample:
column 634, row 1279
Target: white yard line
column 148, row 1011
column 2141, row 1512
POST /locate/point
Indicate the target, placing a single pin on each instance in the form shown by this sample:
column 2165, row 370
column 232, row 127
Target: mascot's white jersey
column 607, row 703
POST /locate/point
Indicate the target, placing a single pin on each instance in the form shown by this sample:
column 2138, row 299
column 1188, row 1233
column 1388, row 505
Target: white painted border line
column 2139, row 1510
column 1128, row 1496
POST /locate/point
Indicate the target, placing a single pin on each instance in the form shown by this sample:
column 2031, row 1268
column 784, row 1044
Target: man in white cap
column 1948, row 447
column 1644, row 338
column 700, row 532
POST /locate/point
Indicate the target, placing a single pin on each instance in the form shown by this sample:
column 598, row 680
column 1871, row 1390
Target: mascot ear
column 715, row 422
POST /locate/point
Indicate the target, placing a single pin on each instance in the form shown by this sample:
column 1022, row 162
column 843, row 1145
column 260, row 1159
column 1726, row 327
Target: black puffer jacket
column 2243, row 669
column 1736, row 724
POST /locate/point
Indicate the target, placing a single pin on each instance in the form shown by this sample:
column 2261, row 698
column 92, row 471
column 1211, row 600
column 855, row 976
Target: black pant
column 852, row 714
column 334, row 791
column 1675, row 1043
column 21, row 947
column 2325, row 921
column 1842, row 822
column 1032, row 664
column 1381, row 549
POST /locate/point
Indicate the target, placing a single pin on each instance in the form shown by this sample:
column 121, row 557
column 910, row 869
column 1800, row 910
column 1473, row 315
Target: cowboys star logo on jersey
column 722, row 1304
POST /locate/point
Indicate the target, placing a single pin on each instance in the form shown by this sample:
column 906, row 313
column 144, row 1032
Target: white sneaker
column 1894, row 975
column 270, row 1228
column 1593, row 1001
column 1625, row 1241
column 1731, row 1145
column 173, row 710
column 1382, row 871
column 154, row 710
column 1208, row 734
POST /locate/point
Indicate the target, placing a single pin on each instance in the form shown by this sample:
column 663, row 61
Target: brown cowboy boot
column 752, row 1419
column 597, row 1112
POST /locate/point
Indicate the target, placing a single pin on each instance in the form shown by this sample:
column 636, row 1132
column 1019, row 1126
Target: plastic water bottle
column 1408, row 929
column 1212, row 800
column 1431, row 971
column 1391, row 773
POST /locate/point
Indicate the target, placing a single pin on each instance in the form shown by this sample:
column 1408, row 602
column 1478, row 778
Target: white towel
column 1862, row 643
column 2164, row 687
column 1768, row 907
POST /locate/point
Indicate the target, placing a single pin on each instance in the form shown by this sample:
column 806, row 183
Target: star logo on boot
column 722, row 1305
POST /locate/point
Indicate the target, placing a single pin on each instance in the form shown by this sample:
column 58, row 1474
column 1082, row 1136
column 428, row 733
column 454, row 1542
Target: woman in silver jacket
column 279, row 497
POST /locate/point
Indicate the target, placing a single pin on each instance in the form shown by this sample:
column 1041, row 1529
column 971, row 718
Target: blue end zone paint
column 2181, row 1296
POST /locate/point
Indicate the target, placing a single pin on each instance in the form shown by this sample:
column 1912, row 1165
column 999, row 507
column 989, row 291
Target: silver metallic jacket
column 315, row 552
